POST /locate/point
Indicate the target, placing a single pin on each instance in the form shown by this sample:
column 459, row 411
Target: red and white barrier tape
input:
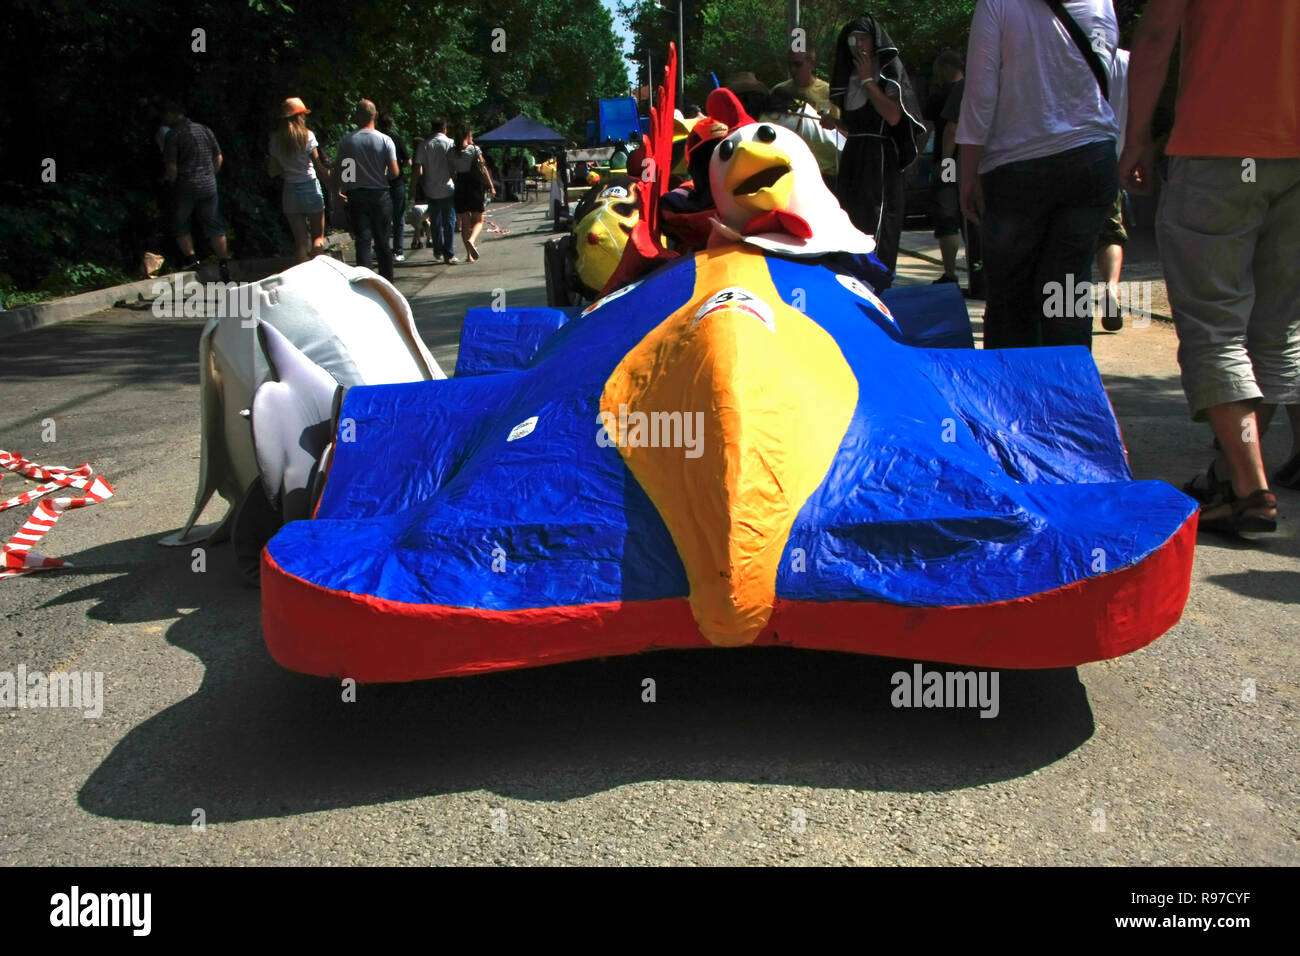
column 17, row 556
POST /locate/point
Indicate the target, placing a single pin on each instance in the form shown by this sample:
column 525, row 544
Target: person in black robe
column 878, row 115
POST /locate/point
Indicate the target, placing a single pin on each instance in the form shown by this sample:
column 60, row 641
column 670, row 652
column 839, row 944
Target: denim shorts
column 302, row 199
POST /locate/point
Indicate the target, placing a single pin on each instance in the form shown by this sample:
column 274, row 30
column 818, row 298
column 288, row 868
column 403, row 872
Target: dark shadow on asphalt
column 257, row 741
column 1280, row 586
column 133, row 346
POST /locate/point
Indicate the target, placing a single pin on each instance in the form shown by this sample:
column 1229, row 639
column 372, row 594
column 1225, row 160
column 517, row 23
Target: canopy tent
column 521, row 131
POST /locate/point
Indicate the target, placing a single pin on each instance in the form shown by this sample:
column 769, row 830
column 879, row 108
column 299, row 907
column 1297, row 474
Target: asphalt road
column 759, row 756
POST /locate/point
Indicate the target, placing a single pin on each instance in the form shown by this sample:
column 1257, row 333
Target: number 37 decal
column 738, row 300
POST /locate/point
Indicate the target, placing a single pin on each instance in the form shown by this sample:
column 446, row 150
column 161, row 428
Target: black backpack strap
column 1081, row 41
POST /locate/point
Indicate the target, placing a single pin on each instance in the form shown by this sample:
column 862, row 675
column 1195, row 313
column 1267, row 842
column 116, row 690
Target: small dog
column 417, row 217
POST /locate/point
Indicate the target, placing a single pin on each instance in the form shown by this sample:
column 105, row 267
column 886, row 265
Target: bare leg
column 316, row 227
column 466, row 220
column 186, row 244
column 948, row 247
column 477, row 230
column 219, row 247
column 1110, row 263
column 1238, row 429
column 301, row 242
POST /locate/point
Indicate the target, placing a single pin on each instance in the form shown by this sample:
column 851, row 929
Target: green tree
column 548, row 59
column 82, row 80
column 729, row 36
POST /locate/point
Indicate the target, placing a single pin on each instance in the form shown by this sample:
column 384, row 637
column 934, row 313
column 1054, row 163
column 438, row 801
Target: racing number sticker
column 742, row 300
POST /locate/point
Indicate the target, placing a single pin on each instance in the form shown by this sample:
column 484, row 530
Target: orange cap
column 292, row 107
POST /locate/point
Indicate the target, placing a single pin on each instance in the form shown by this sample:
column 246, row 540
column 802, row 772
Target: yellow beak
column 768, row 396
column 760, row 177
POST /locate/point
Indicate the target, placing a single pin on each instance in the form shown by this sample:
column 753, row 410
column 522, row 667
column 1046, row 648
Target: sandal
column 1234, row 515
column 1288, row 476
column 1209, row 486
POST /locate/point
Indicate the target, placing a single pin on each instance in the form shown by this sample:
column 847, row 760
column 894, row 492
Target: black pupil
column 765, row 134
column 726, row 149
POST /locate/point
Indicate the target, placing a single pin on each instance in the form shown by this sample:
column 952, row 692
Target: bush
column 67, row 234
column 69, row 278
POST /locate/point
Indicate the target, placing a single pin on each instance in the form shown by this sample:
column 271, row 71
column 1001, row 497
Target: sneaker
column 944, row 278
column 190, row 266
column 452, row 260
column 1112, row 320
column 399, row 258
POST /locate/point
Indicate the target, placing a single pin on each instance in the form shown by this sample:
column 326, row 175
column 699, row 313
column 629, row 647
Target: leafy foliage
column 83, row 79
column 730, row 36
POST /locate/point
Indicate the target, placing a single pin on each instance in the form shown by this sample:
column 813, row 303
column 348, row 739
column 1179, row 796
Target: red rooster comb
column 645, row 246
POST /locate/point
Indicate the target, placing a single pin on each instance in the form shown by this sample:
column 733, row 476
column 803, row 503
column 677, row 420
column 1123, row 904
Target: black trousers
column 370, row 219
column 1040, row 226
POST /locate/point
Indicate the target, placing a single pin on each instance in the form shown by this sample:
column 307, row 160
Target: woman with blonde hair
column 472, row 181
column 294, row 155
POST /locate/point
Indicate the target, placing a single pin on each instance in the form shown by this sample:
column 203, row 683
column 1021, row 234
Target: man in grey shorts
column 366, row 163
column 1229, row 229
column 191, row 161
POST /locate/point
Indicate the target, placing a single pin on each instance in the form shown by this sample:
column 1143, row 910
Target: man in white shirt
column 1041, row 134
column 433, row 168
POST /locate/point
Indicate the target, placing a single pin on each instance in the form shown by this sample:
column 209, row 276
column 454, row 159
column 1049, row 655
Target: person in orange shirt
column 1228, row 227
